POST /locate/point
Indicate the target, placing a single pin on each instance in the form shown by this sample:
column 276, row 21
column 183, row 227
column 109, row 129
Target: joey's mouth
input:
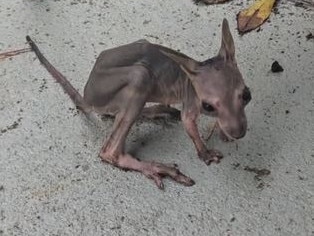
column 224, row 136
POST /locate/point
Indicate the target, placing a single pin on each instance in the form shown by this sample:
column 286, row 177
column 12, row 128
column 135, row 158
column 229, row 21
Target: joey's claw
column 157, row 172
column 158, row 181
column 210, row 156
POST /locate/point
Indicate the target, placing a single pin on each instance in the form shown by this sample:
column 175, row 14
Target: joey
column 125, row 78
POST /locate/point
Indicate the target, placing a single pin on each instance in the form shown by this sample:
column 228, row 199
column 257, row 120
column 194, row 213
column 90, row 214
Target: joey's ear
column 227, row 49
column 188, row 65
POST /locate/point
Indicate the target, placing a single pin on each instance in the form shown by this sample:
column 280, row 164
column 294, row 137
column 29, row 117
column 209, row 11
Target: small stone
column 275, row 67
column 309, row 36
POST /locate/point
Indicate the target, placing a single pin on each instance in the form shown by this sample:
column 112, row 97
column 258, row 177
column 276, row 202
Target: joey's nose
column 241, row 135
column 230, row 134
column 238, row 133
column 233, row 128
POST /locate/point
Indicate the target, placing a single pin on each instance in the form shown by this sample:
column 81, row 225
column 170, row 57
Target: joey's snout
column 230, row 130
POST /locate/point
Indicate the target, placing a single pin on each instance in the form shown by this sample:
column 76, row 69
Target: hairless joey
column 125, row 78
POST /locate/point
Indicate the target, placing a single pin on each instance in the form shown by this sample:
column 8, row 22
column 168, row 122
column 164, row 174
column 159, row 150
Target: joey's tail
column 66, row 85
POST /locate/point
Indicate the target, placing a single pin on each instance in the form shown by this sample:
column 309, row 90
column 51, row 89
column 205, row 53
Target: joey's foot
column 158, row 171
column 153, row 170
column 209, row 156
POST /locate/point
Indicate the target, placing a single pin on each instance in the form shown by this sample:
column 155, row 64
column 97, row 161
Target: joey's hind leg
column 113, row 150
column 114, row 153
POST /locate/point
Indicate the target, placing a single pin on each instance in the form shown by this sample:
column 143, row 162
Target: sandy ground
column 51, row 179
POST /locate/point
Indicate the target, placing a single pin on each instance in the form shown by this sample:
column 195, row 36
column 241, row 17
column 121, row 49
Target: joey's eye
column 246, row 96
column 207, row 107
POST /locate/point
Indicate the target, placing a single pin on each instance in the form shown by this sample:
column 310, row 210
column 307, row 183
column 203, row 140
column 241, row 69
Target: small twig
column 209, row 2
column 12, row 53
column 302, row 3
column 211, row 131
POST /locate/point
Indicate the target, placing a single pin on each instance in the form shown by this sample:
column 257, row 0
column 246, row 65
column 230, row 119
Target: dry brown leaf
column 255, row 15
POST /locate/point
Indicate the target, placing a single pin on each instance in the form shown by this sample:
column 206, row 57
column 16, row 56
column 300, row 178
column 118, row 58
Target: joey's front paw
column 209, row 156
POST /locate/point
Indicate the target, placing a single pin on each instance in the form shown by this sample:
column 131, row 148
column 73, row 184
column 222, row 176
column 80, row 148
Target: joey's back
column 164, row 76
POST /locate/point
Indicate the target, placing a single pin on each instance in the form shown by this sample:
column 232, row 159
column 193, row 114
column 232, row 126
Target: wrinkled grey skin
column 125, row 78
